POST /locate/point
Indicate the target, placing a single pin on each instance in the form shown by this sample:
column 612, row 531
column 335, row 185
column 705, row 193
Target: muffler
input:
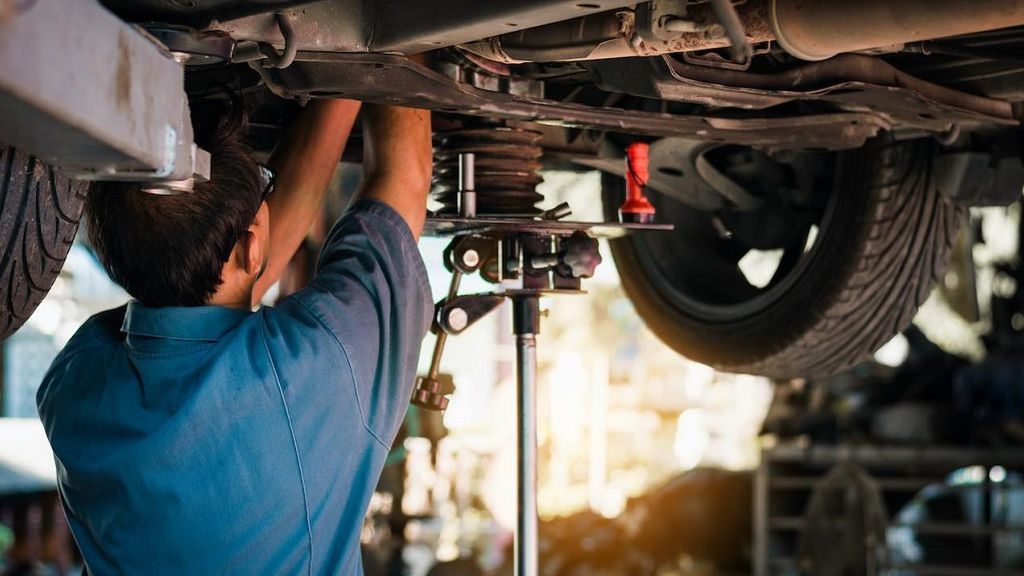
column 820, row 29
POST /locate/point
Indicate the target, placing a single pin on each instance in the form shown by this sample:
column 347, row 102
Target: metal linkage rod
column 467, row 185
column 442, row 336
column 431, row 391
column 526, row 325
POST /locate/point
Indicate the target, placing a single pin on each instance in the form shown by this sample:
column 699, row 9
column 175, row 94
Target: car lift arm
column 92, row 95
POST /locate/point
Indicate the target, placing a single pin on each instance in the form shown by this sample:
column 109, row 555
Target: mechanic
column 193, row 435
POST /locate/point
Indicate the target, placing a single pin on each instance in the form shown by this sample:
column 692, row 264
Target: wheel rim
column 697, row 268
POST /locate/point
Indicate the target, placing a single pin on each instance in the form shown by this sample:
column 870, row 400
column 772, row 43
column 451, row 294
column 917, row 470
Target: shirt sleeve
column 371, row 293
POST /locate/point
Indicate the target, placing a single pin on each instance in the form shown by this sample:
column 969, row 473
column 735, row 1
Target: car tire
column 39, row 214
column 867, row 273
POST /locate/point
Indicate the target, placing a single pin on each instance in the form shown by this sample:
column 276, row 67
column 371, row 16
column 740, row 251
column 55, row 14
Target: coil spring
column 507, row 170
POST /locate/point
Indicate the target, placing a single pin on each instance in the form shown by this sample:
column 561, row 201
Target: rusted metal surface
column 850, row 80
column 876, row 97
column 547, row 30
column 807, row 29
column 507, row 169
column 619, row 34
column 388, row 79
column 414, row 25
column 819, row 29
column 405, row 26
column 752, row 13
column 328, row 25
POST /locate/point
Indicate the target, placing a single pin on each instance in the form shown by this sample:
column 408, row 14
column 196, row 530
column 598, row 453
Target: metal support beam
column 92, row 95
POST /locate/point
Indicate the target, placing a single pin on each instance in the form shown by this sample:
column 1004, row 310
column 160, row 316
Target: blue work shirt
column 208, row 440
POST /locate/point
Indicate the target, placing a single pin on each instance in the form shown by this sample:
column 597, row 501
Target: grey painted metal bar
column 526, row 526
column 526, row 315
column 93, row 96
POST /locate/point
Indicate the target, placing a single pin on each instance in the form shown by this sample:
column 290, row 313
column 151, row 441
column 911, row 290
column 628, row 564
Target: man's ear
column 237, row 258
column 252, row 251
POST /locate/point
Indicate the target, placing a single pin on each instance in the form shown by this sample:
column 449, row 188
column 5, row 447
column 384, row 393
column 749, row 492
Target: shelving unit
column 889, row 478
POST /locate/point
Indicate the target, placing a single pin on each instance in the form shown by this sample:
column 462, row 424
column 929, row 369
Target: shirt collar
column 202, row 323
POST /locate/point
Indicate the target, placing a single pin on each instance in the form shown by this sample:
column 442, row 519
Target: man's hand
column 304, row 162
column 398, row 160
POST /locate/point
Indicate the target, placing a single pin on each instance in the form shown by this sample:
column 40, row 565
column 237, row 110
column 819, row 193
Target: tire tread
column 902, row 253
column 39, row 214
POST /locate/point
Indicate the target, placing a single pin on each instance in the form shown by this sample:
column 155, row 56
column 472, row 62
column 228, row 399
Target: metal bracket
column 457, row 314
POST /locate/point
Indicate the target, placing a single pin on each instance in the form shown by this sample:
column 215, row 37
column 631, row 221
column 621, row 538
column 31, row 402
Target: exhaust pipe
column 806, row 29
column 820, row 29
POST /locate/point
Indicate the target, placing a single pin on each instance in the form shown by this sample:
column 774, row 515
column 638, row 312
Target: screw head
column 457, row 319
column 470, row 258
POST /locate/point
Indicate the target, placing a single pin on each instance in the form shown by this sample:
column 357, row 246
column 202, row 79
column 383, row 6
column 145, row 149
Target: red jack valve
column 636, row 208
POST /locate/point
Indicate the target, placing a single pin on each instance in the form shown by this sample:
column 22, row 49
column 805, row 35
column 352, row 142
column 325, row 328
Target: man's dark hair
column 169, row 250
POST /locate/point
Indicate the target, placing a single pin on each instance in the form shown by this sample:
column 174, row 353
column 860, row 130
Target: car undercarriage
column 845, row 139
column 869, row 74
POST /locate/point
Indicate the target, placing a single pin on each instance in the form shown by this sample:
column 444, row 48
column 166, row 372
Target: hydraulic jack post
column 526, row 326
column 544, row 255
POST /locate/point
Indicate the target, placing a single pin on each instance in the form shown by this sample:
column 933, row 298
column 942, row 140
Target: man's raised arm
column 304, row 162
column 397, row 161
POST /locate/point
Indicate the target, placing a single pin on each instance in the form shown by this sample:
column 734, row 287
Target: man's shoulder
column 296, row 327
column 101, row 328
